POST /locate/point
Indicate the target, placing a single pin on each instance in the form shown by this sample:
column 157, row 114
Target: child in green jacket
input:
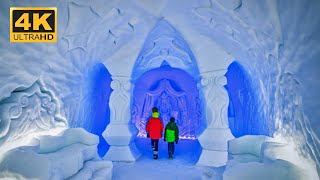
column 171, row 135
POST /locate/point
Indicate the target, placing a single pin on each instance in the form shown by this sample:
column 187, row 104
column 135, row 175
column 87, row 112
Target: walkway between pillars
column 183, row 166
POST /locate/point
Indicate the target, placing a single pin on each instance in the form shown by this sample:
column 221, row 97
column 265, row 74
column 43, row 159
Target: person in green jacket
column 171, row 135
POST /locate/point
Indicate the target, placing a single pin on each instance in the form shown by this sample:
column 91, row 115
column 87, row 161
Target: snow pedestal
column 214, row 139
column 214, row 147
column 121, row 141
column 120, row 133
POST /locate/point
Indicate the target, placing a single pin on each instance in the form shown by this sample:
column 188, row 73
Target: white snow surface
column 182, row 166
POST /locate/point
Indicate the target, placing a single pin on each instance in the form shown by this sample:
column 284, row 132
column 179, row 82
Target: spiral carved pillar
column 214, row 139
column 120, row 133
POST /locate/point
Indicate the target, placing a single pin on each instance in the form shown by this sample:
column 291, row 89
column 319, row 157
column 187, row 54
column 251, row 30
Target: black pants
column 170, row 148
column 155, row 144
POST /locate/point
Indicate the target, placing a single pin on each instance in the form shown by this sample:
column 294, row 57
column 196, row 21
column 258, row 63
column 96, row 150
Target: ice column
column 214, row 139
column 120, row 133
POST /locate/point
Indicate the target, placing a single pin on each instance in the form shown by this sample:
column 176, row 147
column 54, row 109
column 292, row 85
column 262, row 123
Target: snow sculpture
column 120, row 133
column 27, row 111
column 166, row 48
column 170, row 103
column 214, row 139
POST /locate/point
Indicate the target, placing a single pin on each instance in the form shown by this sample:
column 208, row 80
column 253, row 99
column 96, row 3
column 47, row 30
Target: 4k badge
column 33, row 24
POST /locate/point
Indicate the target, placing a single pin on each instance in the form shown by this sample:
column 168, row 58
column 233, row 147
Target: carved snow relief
column 171, row 103
column 120, row 100
column 165, row 48
column 27, row 111
column 217, row 99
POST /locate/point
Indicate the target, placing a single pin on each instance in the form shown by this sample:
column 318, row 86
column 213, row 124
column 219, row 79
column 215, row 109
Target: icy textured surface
column 267, row 38
column 58, row 157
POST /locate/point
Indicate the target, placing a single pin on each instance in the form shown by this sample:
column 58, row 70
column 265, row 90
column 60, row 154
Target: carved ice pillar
column 214, row 139
column 120, row 133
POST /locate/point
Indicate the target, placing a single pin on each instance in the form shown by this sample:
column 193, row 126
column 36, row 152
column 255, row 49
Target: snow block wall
column 267, row 38
column 72, row 155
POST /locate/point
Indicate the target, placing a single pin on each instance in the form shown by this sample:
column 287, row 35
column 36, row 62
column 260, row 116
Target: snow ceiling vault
column 276, row 42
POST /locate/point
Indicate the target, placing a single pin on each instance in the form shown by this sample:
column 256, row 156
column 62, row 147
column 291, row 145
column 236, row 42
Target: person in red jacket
column 154, row 130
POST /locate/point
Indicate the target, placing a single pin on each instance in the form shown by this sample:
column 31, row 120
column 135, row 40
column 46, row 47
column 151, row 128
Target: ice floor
column 181, row 167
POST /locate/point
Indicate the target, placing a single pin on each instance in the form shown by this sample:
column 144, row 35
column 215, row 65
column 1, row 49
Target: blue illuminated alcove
column 175, row 93
column 97, row 110
column 243, row 113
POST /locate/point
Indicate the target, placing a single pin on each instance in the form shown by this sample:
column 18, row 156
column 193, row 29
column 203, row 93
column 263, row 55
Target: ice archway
column 165, row 46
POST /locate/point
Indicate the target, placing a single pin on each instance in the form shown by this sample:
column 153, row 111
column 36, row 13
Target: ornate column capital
column 119, row 102
column 215, row 77
column 121, row 83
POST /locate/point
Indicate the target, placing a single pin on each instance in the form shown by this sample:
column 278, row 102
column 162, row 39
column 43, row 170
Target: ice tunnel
column 240, row 77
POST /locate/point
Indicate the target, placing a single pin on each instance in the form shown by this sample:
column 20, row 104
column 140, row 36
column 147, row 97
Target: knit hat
column 154, row 109
column 172, row 119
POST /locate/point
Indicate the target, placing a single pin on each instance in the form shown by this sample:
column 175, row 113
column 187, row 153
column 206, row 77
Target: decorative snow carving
column 165, row 48
column 120, row 100
column 120, row 133
column 27, row 111
column 217, row 99
column 171, row 103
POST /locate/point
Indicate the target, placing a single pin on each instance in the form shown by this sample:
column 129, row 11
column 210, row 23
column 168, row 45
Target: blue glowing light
column 98, row 112
column 243, row 111
column 175, row 93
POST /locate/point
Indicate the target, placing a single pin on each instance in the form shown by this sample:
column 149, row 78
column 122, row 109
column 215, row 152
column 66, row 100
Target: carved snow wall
column 27, row 111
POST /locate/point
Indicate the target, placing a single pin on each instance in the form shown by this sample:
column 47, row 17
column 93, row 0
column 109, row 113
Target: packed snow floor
column 182, row 166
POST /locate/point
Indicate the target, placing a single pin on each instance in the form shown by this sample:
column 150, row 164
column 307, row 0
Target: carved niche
column 171, row 103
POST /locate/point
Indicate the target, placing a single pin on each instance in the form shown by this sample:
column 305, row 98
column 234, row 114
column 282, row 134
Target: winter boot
column 170, row 156
column 155, row 154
